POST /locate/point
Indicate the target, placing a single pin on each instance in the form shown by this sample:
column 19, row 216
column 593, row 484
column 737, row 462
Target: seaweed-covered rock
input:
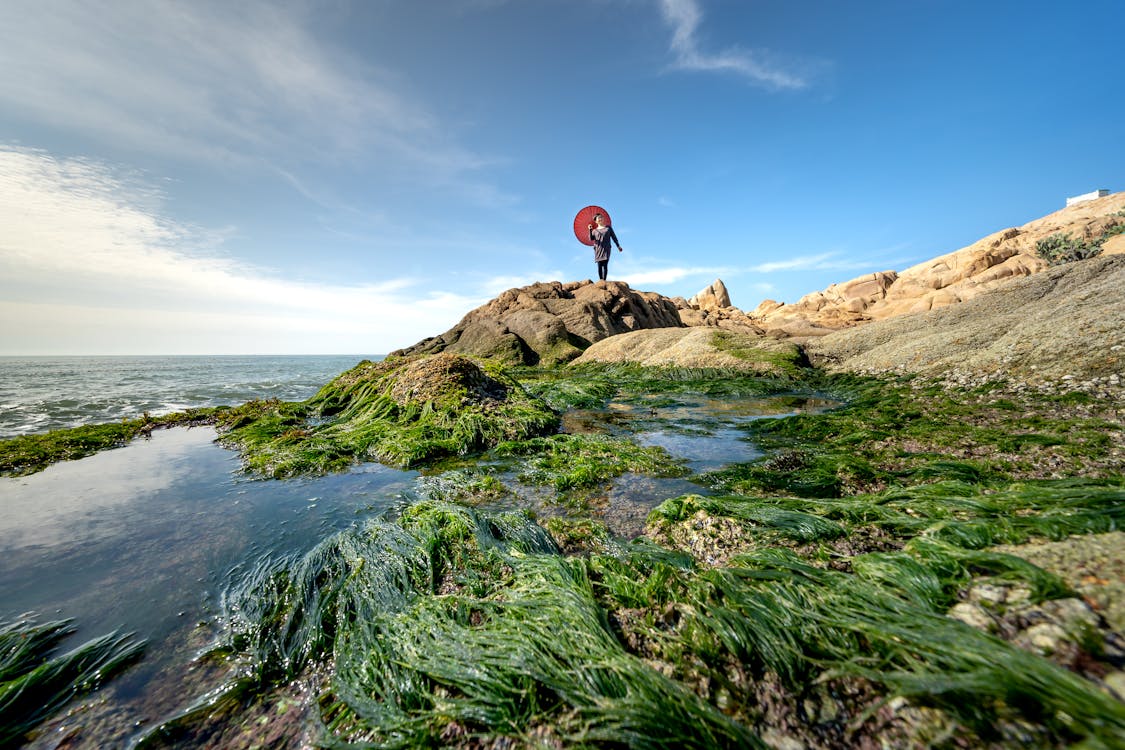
column 445, row 379
column 403, row 412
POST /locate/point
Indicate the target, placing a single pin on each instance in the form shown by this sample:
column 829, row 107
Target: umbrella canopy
column 584, row 219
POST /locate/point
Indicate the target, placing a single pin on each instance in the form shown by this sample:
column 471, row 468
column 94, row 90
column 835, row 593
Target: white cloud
column 243, row 82
column 82, row 239
column 671, row 275
column 821, row 262
column 495, row 285
column 685, row 16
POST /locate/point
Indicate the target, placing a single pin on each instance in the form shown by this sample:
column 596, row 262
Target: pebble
column 972, row 615
column 1115, row 681
column 1045, row 638
column 988, row 594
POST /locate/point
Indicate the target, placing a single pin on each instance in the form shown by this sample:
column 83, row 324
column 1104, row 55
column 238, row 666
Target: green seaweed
column 451, row 623
column 784, row 616
column 787, row 359
column 27, row 454
column 758, row 519
column 34, row 683
column 403, row 412
column 566, row 462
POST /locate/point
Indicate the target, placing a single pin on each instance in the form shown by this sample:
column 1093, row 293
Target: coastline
column 905, row 463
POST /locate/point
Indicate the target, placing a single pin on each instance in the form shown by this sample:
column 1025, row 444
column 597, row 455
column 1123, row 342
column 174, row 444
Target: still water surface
column 142, row 537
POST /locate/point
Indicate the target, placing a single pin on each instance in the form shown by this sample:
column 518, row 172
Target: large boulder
column 711, row 307
column 551, row 322
column 697, row 347
column 714, row 297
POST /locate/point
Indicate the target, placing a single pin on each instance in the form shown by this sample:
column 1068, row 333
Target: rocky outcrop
column 1067, row 322
column 714, row 297
column 554, row 322
column 551, row 322
column 712, row 308
column 946, row 280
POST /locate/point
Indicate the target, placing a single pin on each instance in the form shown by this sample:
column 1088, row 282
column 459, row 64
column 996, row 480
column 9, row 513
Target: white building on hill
column 1087, row 197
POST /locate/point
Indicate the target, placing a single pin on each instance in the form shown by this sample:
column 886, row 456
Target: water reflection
column 141, row 538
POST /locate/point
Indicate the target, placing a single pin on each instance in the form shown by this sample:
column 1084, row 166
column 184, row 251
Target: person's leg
column 603, row 269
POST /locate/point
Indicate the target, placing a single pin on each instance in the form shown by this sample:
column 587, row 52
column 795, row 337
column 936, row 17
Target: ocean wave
column 45, row 393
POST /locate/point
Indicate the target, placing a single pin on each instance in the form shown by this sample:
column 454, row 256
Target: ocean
column 38, row 394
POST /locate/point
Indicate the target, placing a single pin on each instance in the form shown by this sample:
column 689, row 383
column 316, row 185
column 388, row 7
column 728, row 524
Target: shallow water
column 143, row 538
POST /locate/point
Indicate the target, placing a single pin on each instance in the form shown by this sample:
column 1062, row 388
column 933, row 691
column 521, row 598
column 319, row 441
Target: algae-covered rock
column 402, row 412
column 1092, row 564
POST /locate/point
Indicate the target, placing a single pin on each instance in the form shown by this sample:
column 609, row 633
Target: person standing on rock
column 601, row 235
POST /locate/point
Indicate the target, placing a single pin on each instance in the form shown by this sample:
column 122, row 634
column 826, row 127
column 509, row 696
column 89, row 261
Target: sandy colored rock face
column 946, row 280
column 693, row 347
column 970, row 310
column 1066, row 321
column 714, row 297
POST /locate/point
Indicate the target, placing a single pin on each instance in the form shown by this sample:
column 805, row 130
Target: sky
column 347, row 176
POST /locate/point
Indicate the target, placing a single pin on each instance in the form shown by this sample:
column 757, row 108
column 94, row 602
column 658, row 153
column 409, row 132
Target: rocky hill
column 946, row 280
column 993, row 307
column 551, row 322
column 1066, row 323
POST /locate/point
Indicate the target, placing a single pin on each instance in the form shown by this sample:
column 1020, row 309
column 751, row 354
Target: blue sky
column 350, row 177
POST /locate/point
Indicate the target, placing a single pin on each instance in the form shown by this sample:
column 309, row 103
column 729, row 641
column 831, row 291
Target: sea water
column 38, row 394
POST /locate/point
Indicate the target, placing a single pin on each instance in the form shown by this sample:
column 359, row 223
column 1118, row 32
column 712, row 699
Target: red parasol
column 584, row 219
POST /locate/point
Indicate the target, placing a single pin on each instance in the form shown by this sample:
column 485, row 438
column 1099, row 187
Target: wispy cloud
column 829, row 261
column 79, row 233
column 673, row 274
column 685, row 16
column 494, row 285
column 227, row 83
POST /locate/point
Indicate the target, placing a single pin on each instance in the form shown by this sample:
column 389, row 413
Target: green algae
column 35, row 682
column 895, row 431
column 567, row 462
column 402, row 412
column 971, row 516
column 27, row 454
column 453, row 627
column 775, row 612
column 784, row 358
column 445, row 625
column 848, row 542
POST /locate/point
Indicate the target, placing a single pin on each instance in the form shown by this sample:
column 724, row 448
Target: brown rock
column 551, row 322
column 950, row 279
column 714, row 297
column 1066, row 321
column 1114, row 245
